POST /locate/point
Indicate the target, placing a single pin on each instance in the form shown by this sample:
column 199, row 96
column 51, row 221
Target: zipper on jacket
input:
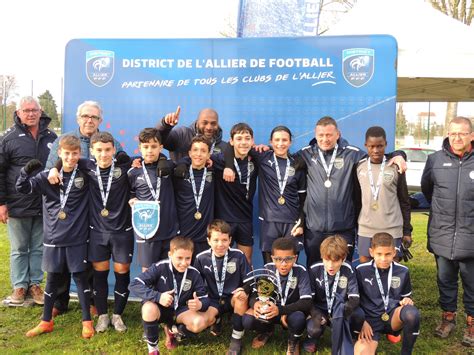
column 456, row 210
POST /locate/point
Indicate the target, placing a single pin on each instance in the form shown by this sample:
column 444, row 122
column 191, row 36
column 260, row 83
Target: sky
column 35, row 33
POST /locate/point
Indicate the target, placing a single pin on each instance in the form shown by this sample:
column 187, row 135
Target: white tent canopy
column 435, row 52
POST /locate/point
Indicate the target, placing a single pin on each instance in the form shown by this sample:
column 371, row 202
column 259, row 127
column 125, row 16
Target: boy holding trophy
column 281, row 294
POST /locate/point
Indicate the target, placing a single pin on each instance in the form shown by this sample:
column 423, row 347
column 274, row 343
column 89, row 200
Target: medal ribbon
column 281, row 183
column 330, row 297
column 177, row 294
column 154, row 193
column 219, row 281
column 197, row 197
column 247, row 183
column 327, row 168
column 375, row 189
column 284, row 296
column 63, row 196
column 105, row 196
column 379, row 283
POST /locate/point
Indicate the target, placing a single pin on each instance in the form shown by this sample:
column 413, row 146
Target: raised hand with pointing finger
column 172, row 118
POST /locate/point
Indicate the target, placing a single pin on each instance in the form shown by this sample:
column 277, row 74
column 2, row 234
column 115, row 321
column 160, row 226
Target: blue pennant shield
column 145, row 218
column 100, row 67
column 358, row 65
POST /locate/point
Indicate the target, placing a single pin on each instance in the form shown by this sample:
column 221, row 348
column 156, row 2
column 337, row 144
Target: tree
column 461, row 10
column 49, row 107
column 7, row 89
column 401, row 128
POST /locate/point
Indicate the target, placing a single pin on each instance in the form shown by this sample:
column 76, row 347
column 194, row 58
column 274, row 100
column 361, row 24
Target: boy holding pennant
column 335, row 298
column 234, row 200
column 154, row 216
column 194, row 192
column 224, row 270
column 111, row 231
column 172, row 291
column 385, row 203
column 66, row 221
column 292, row 304
column 385, row 297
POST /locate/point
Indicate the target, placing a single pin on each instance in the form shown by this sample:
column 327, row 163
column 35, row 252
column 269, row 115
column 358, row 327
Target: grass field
column 14, row 322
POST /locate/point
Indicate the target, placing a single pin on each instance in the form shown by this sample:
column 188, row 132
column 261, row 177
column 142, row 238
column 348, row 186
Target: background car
column 416, row 160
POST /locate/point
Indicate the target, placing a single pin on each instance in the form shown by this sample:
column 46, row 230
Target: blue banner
column 262, row 81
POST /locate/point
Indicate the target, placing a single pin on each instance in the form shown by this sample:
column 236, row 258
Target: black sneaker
column 235, row 347
column 216, row 328
column 178, row 332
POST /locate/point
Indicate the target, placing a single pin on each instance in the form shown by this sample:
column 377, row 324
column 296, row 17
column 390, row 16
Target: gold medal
column 62, row 215
column 385, row 317
column 198, row 215
column 222, row 301
column 281, row 200
column 327, row 183
column 375, row 206
column 104, row 212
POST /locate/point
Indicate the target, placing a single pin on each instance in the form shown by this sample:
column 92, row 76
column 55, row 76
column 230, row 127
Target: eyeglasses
column 286, row 259
column 459, row 135
column 90, row 117
column 33, row 110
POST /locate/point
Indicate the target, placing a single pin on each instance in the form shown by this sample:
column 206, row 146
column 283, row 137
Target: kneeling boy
column 224, row 270
column 172, row 290
column 295, row 299
column 385, row 291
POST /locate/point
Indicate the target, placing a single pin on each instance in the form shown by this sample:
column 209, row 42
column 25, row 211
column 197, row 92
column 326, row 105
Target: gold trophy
column 265, row 284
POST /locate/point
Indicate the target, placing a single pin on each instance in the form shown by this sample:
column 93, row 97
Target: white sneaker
column 102, row 323
column 118, row 323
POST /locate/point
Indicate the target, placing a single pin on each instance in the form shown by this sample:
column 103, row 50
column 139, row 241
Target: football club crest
column 251, row 167
column 293, row 282
column 100, row 67
column 342, row 282
column 209, row 176
column 146, row 218
column 291, row 171
column 388, row 176
column 231, row 267
column 395, row 282
column 117, row 172
column 339, row 163
column 187, row 285
column 358, row 65
column 79, row 182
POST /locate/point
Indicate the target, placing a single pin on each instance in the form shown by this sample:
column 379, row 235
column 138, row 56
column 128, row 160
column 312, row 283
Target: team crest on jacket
column 79, row 182
column 209, row 176
column 231, row 267
column 395, row 282
column 100, row 67
column 251, row 167
column 293, row 281
column 117, row 173
column 187, row 285
column 291, row 171
column 388, row 176
column 342, row 282
column 339, row 163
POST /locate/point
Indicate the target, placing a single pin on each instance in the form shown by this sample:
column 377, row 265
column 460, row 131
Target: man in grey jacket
column 448, row 183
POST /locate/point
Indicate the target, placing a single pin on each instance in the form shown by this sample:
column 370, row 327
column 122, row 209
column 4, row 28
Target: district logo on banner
column 358, row 65
column 100, row 67
column 145, row 218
